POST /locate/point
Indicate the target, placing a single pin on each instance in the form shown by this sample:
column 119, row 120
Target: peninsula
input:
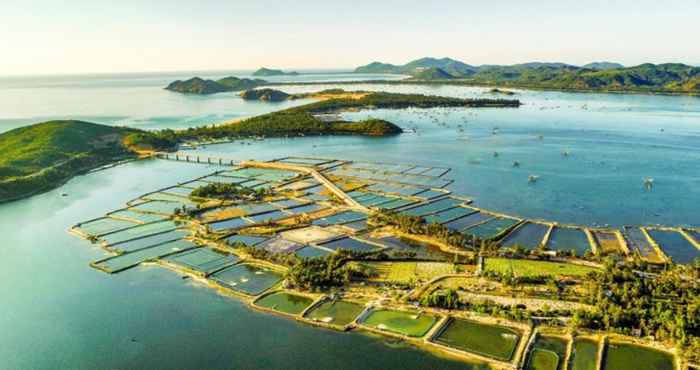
column 42, row 156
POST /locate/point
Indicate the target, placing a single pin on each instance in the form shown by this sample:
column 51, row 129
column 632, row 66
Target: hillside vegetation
column 42, row 156
column 600, row 76
column 201, row 86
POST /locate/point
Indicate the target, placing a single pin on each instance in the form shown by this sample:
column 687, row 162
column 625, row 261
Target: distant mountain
column 378, row 67
column 201, row 86
column 603, row 76
column 450, row 66
column 603, row 66
column 265, row 72
column 431, row 73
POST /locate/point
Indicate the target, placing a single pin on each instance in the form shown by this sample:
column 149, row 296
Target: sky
column 100, row 36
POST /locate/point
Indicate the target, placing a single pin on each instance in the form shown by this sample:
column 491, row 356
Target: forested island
column 42, row 156
column 598, row 76
column 199, row 86
column 263, row 72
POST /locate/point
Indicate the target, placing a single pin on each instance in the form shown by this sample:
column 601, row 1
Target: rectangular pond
column 285, row 302
column 311, row 252
column 567, row 239
column 584, row 354
column 448, row 215
column 234, row 223
column 129, row 260
column 336, row 312
column 607, row 241
column 130, row 215
column 204, row 260
column 627, row 356
column 249, row 240
column 104, row 225
column 339, row 218
column 246, row 278
column 267, row 217
column 529, row 235
column 638, row 242
column 411, row 324
column 159, row 207
column 150, row 240
column 432, row 207
column 547, row 353
column 487, row 340
column 675, row 245
column 350, row 244
column 468, row 221
column 137, row 232
column 490, row 229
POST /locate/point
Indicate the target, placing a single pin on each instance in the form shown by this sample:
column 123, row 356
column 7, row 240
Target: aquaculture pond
column 311, row 252
column 246, row 278
column 149, row 241
column 204, row 260
column 488, row 340
column 249, row 240
column 139, row 231
column 639, row 243
column 529, row 236
column 675, row 245
column 104, row 225
column 468, row 221
column 584, row 354
column 350, row 244
column 336, row 312
column 412, row 324
column 547, row 353
column 491, row 229
column 627, row 356
column 567, row 239
column 125, row 261
column 292, row 304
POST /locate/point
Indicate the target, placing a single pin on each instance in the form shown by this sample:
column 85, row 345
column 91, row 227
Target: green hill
column 44, row 155
column 432, row 73
column 601, row 76
column 262, row 72
column 265, row 95
column 201, row 86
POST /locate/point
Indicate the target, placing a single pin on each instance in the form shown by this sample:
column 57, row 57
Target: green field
column 403, row 272
column 284, row 302
column 488, row 340
column 535, row 268
column 406, row 323
column 336, row 312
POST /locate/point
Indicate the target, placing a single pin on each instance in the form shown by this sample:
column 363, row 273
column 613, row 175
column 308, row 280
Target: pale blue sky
column 74, row 36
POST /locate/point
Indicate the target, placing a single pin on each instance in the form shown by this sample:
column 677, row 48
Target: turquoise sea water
column 57, row 312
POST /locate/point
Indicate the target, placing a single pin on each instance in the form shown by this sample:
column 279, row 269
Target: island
column 42, row 156
column 271, row 95
column 199, row 86
column 266, row 72
column 596, row 77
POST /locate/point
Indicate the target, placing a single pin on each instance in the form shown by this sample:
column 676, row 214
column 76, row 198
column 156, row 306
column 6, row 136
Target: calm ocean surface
column 57, row 312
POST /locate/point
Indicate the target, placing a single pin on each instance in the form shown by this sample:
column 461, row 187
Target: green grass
column 285, row 302
column 488, row 340
column 403, row 272
column 406, row 323
column 535, row 268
